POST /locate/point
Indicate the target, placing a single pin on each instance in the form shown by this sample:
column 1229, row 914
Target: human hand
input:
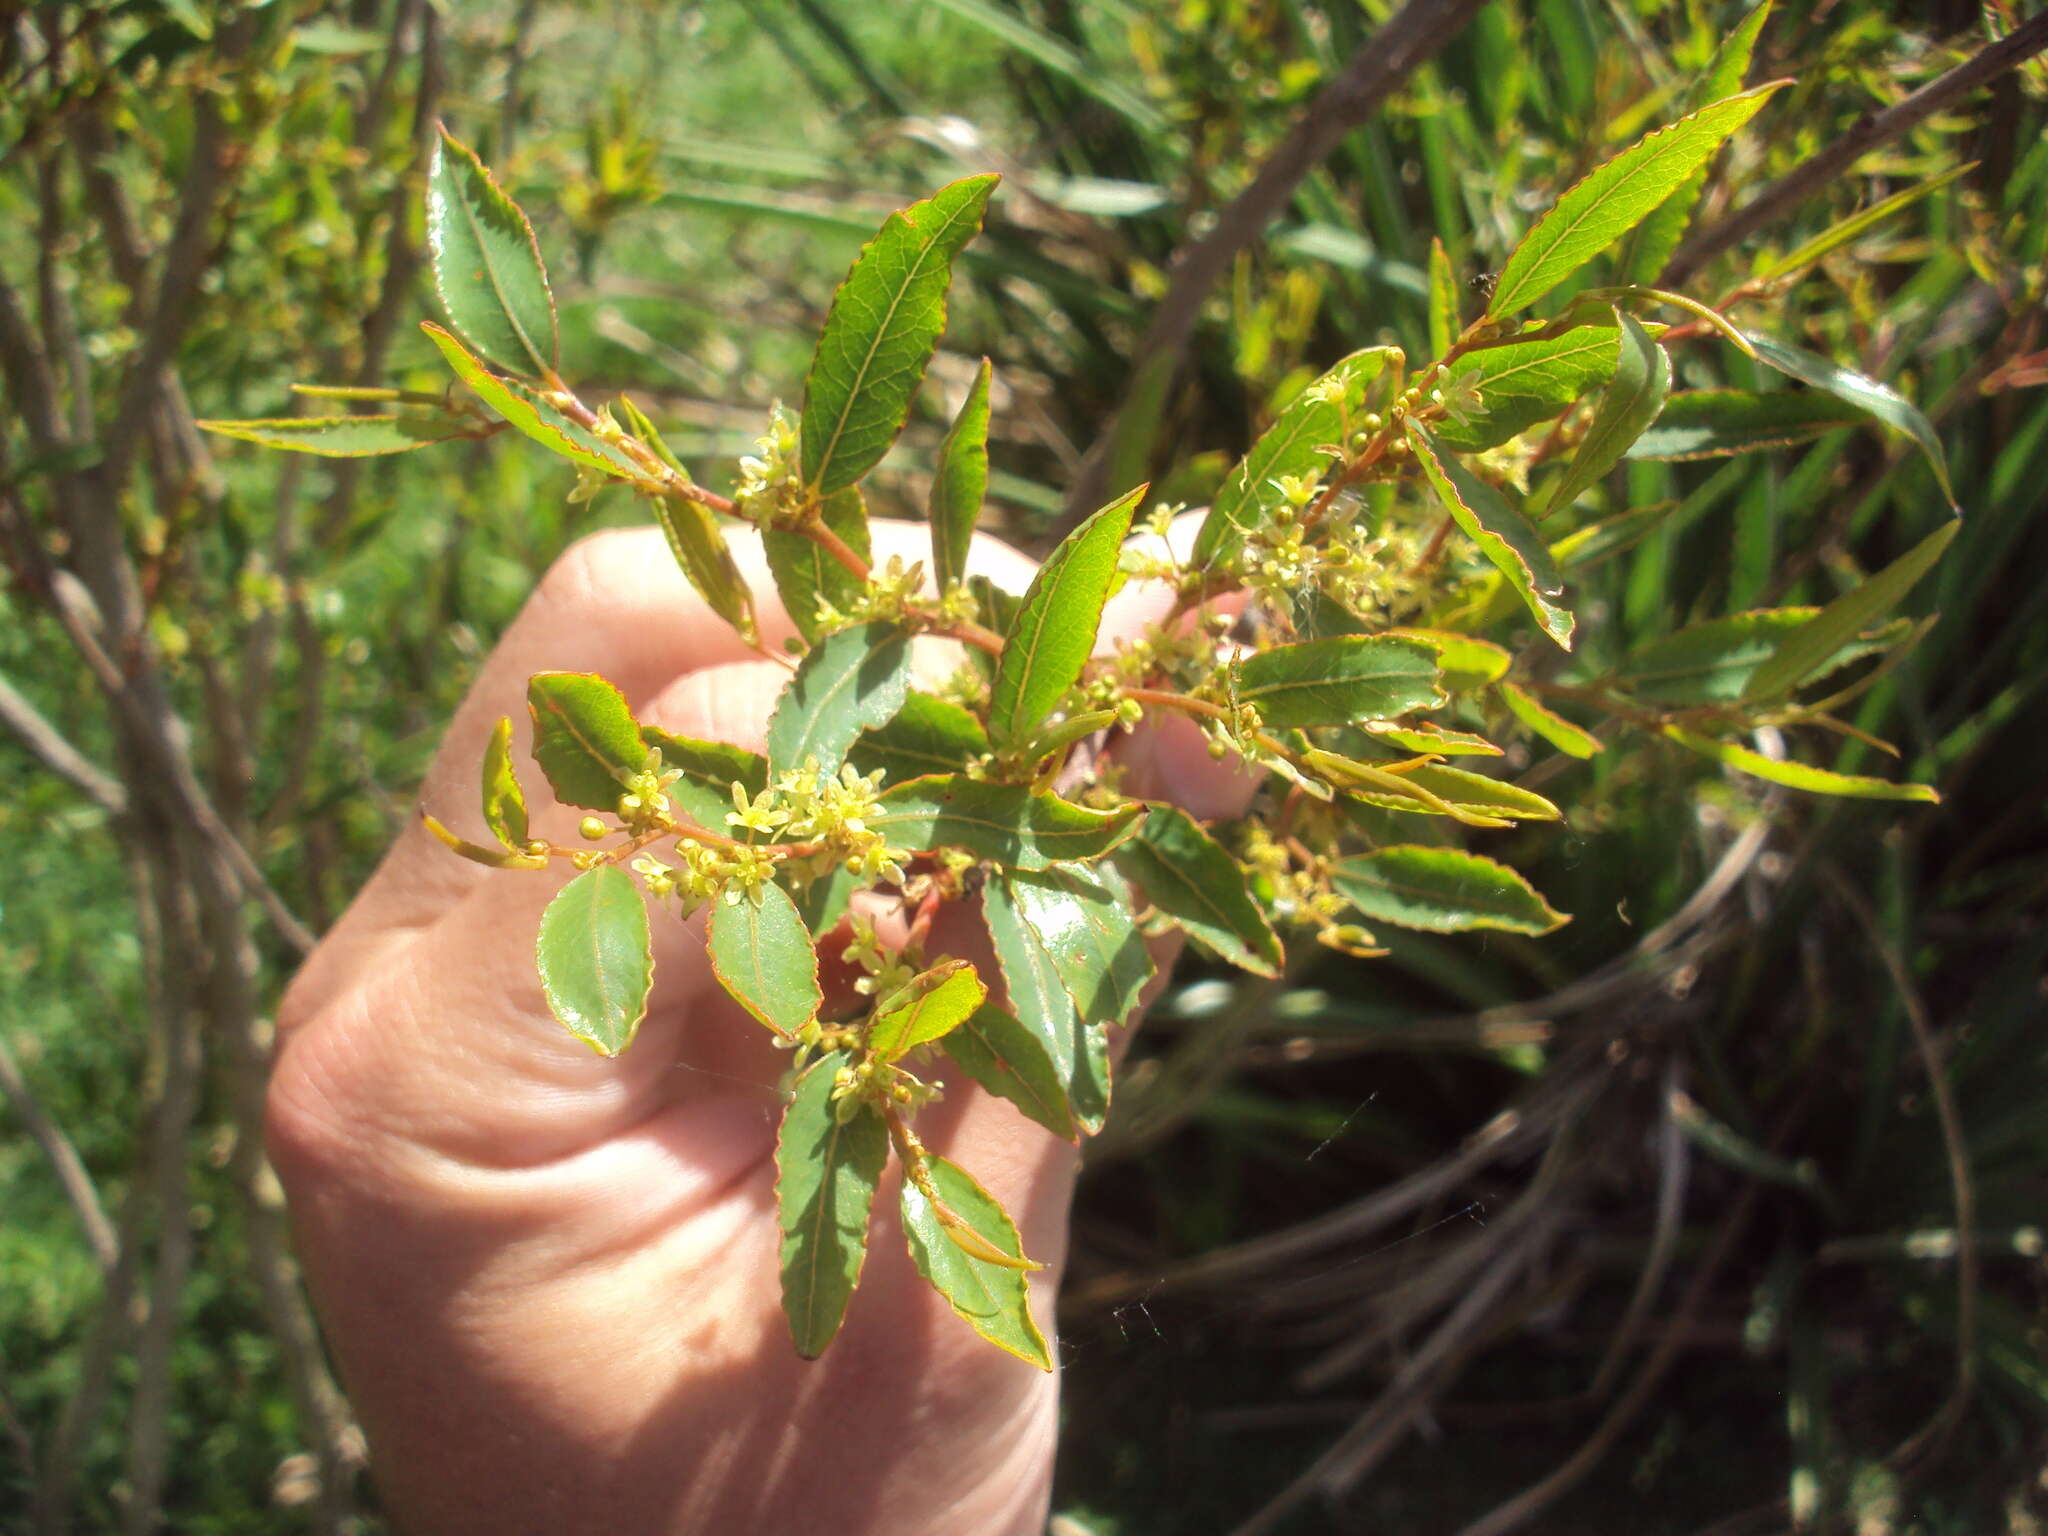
column 550, row 1277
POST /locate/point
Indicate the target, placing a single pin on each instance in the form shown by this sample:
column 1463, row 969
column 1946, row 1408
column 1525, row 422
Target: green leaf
column 880, row 333
column 1810, row 647
column 1653, row 242
column 1817, row 781
column 850, row 682
column 351, row 437
column 1634, row 395
column 927, row 735
column 1443, row 300
column 1713, row 423
column 1082, row 914
column 1054, row 631
column 1188, row 876
column 763, row 955
column 1299, row 442
column 993, row 1299
column 930, row 1013
column 1082, row 70
column 1503, row 535
column 1466, row 662
column 823, row 901
column 477, row 853
column 1079, row 1053
column 1006, row 823
column 805, row 573
column 1716, row 660
column 1552, row 727
column 1612, row 199
column 709, row 770
column 699, row 546
column 1340, row 680
column 596, row 960
column 1441, row 890
column 826, row 1172
column 1857, row 225
column 1881, row 401
column 1424, row 736
column 584, row 738
column 1522, row 383
column 959, row 481
column 1011, row 1062
column 504, row 800
column 1434, row 790
column 487, row 265
column 530, row 414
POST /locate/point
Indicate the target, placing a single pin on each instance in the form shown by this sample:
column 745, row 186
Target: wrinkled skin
column 550, row 1279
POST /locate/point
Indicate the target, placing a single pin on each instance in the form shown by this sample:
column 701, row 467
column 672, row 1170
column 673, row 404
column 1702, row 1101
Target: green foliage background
column 713, row 168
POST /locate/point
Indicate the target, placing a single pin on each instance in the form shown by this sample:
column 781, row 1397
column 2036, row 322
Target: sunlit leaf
column 1858, row 224
column 929, row 1012
column 1009, row 824
column 927, row 735
column 880, row 333
column 1441, row 890
column 959, row 481
column 596, row 959
column 1188, row 875
column 850, row 682
column 1053, row 633
column 1713, row 423
column 1716, row 660
column 1548, row 724
column 1339, row 680
column 1521, row 383
column 584, row 738
column 487, row 265
column 1503, row 535
column 1634, row 395
column 993, row 1299
column 1465, row 662
column 763, row 955
column 528, row 413
column 504, row 801
column 826, row 1173
column 352, row 437
column 1079, row 1053
column 1008, row 1060
column 491, row 858
column 806, row 573
column 708, row 770
column 1443, row 300
column 1818, row 781
column 699, row 546
column 1082, row 914
column 1878, row 400
column 1612, row 199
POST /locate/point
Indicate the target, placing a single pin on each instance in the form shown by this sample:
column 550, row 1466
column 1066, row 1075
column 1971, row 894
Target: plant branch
column 1379, row 67
column 50, row 748
column 64, row 1160
column 1874, row 129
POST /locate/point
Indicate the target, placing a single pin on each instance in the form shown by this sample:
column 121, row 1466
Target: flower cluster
column 771, row 480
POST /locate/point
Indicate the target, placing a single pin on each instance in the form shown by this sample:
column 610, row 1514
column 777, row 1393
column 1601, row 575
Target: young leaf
column 1441, row 890
column 1521, row 383
column 596, row 962
column 1799, row 654
column 1634, row 396
column 826, row 1171
column 584, row 738
column 709, row 770
column 850, row 682
column 1713, row 423
column 932, row 1012
column 1858, row 224
column 805, row 574
column 880, row 333
column 1340, row 680
column 1716, row 660
column 477, row 853
column 991, row 1298
column 762, row 954
column 1552, row 727
column 1298, row 443
column 1432, row 789
column 1817, row 781
column 351, row 437
column 1503, row 535
column 487, row 264
column 1423, row 736
column 1078, row 1052
column 1652, row 243
column 1443, row 300
column 1466, row 663
column 1054, row 631
column 1874, row 399
column 530, row 414
column 1008, row 1060
column 927, row 735
column 699, row 546
column 1187, row 875
column 1611, row 200
column 959, row 481
column 504, row 801
column 1082, row 914
column 1006, row 823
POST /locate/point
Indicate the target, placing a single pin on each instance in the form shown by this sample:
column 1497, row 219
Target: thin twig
column 1385, row 60
column 1802, row 182
column 49, row 747
column 64, row 1160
